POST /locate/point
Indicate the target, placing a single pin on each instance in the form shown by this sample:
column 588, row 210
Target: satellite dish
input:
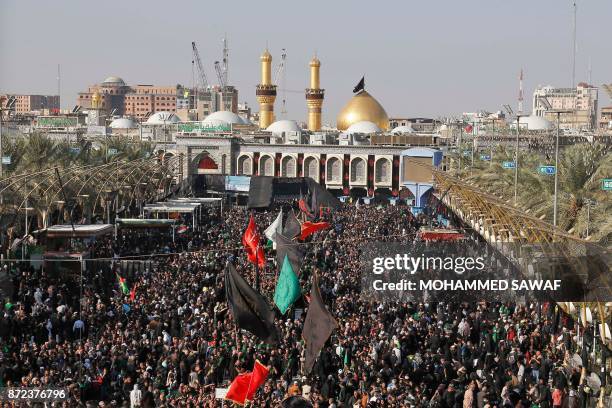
column 593, row 382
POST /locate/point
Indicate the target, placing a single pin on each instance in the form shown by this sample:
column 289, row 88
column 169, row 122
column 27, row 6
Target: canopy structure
column 80, row 231
column 157, row 223
column 144, row 222
column 169, row 207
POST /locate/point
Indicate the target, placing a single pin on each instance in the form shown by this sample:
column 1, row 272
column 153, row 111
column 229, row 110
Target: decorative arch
column 334, row 170
column 311, row 167
column 358, row 170
column 266, row 166
column 382, row 170
column 288, row 167
column 245, row 166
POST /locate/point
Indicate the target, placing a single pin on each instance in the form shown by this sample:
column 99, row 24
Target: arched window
column 358, row 170
column 334, row 169
column 266, row 166
column 311, row 168
column 288, row 167
column 245, row 166
column 383, row 170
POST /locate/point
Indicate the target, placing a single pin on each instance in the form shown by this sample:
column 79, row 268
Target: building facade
column 39, row 104
column 582, row 101
column 605, row 119
column 139, row 101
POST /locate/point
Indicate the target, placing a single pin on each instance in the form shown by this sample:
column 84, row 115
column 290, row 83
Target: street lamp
column 549, row 109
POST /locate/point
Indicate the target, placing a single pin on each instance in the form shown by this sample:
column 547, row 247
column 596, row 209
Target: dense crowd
column 176, row 341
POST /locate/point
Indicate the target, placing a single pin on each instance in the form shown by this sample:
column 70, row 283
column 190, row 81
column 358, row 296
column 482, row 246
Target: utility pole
column 574, row 50
column 557, row 172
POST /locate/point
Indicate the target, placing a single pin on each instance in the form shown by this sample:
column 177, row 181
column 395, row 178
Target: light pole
column 590, row 203
column 516, row 156
column 546, row 103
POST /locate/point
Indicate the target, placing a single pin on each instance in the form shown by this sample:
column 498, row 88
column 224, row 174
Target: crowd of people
column 171, row 341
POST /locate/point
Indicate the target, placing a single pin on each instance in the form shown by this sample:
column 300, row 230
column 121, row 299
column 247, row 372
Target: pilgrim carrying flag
column 287, row 287
column 296, row 401
column 250, row 240
column 318, row 326
column 249, row 308
column 244, row 386
column 295, row 251
column 122, row 284
column 292, row 227
column 360, row 85
column 275, row 228
column 309, row 228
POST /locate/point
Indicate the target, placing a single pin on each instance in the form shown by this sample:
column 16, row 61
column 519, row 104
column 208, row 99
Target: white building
column 582, row 101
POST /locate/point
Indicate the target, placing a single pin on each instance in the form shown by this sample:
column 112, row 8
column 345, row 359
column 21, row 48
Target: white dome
column 365, row 127
column 402, row 129
column 123, row 123
column 215, row 123
column 281, row 126
column 533, row 122
column 162, row 118
column 225, row 116
column 113, row 81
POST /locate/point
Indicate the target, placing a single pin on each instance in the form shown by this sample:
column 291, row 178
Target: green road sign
column 606, row 184
column 547, row 170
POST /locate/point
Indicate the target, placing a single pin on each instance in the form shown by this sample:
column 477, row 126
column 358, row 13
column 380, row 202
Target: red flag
column 469, row 128
column 260, row 373
column 133, row 292
column 250, row 240
column 245, row 385
column 309, row 228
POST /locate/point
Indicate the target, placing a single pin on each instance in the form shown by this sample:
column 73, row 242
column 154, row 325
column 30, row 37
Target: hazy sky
column 420, row 58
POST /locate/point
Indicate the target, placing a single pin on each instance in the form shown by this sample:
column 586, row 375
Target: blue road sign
column 508, row 165
column 547, row 170
column 485, row 157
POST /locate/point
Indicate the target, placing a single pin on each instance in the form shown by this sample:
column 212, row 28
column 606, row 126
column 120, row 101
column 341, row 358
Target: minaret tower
column 314, row 96
column 266, row 92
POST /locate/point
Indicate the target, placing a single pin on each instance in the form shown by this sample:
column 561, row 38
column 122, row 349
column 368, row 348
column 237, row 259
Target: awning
column 171, row 208
column 80, row 231
column 144, row 223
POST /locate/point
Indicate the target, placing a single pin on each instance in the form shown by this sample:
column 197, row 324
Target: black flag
column 291, row 227
column 294, row 250
column 360, row 85
column 296, row 402
column 250, row 310
column 318, row 326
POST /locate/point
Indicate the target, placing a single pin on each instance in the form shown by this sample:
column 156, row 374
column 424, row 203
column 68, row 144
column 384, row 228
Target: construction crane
column 280, row 71
column 220, row 74
column 198, row 63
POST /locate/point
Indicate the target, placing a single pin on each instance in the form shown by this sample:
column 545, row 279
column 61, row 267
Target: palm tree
column 581, row 168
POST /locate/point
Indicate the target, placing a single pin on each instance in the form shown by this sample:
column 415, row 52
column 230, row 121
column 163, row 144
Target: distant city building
column 605, row 120
column 139, row 101
column 582, row 101
column 417, row 124
column 39, row 104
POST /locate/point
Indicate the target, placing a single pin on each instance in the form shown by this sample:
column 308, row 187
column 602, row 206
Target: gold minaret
column 314, row 96
column 266, row 92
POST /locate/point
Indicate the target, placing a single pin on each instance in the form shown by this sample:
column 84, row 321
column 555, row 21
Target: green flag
column 287, row 287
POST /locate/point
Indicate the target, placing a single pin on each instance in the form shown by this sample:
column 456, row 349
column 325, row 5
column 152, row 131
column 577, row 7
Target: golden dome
column 266, row 56
column 362, row 107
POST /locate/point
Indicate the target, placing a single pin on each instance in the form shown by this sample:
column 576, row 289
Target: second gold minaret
column 314, row 96
column 266, row 92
